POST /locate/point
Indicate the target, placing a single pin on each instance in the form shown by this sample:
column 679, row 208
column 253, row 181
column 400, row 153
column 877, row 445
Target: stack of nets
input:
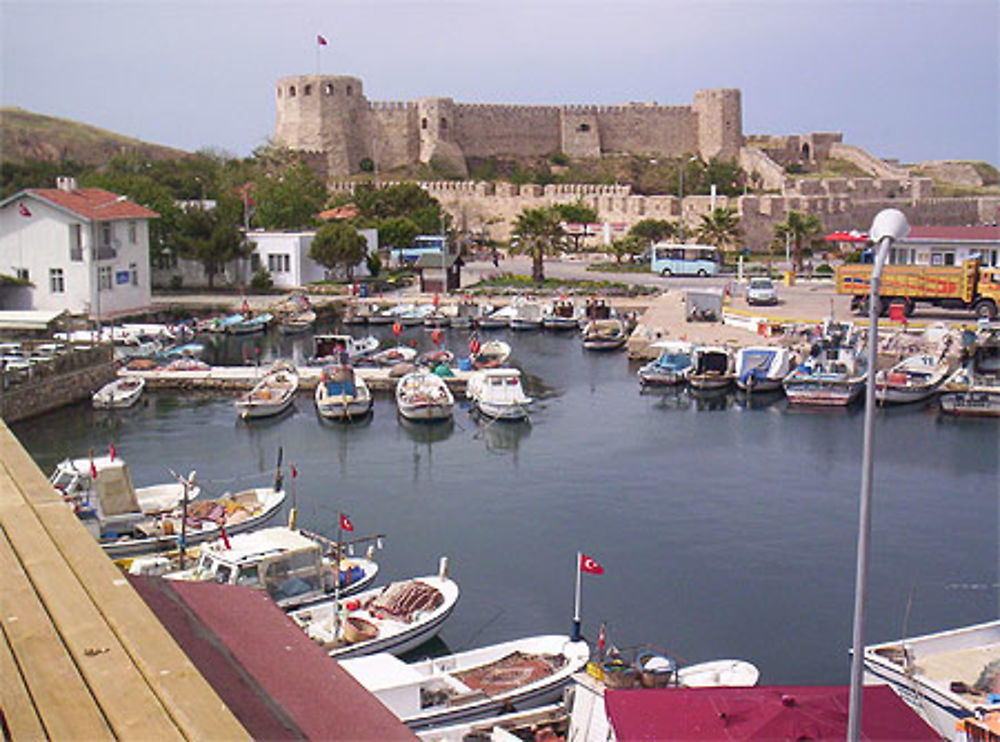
column 401, row 600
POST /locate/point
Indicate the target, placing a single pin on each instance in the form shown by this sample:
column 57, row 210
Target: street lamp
column 680, row 198
column 888, row 226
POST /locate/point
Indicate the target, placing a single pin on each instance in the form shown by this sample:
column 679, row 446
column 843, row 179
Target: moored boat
column 120, row 393
column 392, row 356
column 249, row 323
column 671, row 367
column 395, row 619
column 913, row 379
column 497, row 319
column 342, row 394
column 604, row 334
column 491, row 354
column 834, row 373
column 331, row 348
column 561, row 315
column 762, row 368
column 974, row 389
column 272, row 395
column 497, row 393
column 424, row 396
column 527, row 315
column 461, row 687
column 295, row 324
column 712, row 367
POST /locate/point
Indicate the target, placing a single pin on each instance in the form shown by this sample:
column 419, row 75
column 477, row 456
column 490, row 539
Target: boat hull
column 336, row 409
column 971, row 402
column 118, row 396
column 709, row 382
column 426, row 413
column 823, row 394
column 501, row 411
column 759, row 385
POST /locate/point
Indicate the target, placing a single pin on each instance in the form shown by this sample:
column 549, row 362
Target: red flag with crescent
column 589, row 565
column 345, row 523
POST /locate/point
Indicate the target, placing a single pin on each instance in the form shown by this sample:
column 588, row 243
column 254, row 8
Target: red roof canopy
column 846, row 237
column 975, row 232
column 760, row 713
column 95, row 204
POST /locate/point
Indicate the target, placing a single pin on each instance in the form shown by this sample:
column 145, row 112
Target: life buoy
column 397, row 328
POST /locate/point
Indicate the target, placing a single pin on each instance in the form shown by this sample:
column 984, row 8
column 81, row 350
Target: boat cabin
column 106, row 503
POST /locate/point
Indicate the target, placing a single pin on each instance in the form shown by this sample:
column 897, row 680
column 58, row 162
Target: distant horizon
column 907, row 80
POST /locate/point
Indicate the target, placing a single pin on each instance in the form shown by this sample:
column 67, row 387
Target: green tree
column 576, row 213
column 338, row 245
column 630, row 244
column 405, row 200
column 653, row 230
column 799, row 230
column 397, row 231
column 538, row 232
column 721, row 228
column 290, row 200
column 207, row 236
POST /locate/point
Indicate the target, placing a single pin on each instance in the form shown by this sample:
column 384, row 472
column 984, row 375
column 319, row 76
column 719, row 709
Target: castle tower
column 325, row 114
column 720, row 123
column 437, row 121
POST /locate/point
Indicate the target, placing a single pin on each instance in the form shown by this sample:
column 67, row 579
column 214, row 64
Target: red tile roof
column 978, row 232
column 347, row 211
column 95, row 204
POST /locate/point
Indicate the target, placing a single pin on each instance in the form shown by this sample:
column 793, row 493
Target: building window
column 104, row 278
column 22, row 274
column 166, row 260
column 133, row 231
column 279, row 263
column 444, row 123
column 291, row 92
column 57, row 284
column 105, row 234
column 254, row 262
column 133, row 271
column 307, row 90
column 423, row 123
column 583, row 127
column 328, row 89
column 75, row 243
column 350, row 89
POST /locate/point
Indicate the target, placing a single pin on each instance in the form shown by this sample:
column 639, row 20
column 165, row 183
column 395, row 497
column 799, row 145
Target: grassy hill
column 26, row 136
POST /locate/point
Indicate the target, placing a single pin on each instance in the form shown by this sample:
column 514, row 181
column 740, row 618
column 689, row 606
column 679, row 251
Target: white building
column 285, row 255
column 83, row 250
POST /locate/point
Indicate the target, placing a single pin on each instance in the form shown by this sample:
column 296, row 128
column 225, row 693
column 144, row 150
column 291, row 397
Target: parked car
column 761, row 291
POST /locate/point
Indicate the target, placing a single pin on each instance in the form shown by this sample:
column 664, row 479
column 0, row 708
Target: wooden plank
column 186, row 696
column 127, row 703
column 58, row 694
column 18, row 708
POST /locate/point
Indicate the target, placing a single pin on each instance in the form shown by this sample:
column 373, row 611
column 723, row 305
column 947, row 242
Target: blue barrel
column 364, row 291
column 464, row 364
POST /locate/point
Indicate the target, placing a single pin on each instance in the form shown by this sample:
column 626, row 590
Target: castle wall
column 666, row 131
column 720, row 123
column 491, row 130
column 394, row 134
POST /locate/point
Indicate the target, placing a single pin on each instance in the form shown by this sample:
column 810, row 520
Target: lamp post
column 680, row 198
column 888, row 226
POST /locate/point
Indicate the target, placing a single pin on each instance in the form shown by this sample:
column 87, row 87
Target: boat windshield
column 671, row 359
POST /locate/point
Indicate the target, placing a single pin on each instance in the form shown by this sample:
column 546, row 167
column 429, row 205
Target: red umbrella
column 846, row 237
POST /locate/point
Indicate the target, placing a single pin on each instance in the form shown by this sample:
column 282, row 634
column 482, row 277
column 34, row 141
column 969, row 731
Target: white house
column 85, row 250
column 285, row 255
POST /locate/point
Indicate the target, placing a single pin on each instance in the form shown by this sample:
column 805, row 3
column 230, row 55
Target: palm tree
column 798, row 229
column 538, row 231
column 721, row 228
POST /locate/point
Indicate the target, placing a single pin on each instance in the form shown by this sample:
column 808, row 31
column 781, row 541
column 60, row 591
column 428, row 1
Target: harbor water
column 726, row 528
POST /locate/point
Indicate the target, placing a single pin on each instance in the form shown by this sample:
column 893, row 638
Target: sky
column 911, row 80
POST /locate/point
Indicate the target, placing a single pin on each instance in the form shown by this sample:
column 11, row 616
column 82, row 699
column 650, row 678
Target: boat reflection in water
column 668, row 397
column 501, row 435
column 758, row 400
column 422, row 432
column 711, row 399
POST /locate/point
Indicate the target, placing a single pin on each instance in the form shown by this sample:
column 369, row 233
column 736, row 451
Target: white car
column 761, row 291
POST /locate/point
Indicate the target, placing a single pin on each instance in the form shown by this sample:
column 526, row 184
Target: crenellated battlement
column 392, row 105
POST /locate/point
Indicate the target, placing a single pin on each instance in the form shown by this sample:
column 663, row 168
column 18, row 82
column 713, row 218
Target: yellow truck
column 965, row 286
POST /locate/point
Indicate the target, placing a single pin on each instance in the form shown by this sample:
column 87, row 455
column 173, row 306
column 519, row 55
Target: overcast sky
column 903, row 79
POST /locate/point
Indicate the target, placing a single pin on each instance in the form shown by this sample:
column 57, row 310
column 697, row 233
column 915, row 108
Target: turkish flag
column 345, row 523
column 23, row 210
column 111, row 450
column 589, row 565
column 295, row 472
column 93, row 470
column 320, row 40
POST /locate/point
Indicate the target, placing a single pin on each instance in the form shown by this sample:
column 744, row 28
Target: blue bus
column 423, row 244
column 672, row 259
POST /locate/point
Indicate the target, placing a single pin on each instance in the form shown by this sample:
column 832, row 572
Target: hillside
column 32, row 136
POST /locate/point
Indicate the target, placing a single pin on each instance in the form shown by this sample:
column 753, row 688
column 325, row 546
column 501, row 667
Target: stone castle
column 330, row 118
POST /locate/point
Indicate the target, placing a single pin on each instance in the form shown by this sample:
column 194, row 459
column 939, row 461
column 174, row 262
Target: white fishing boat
column 248, row 324
column 491, row 354
column 272, row 395
column 498, row 318
column 527, row 315
column 913, row 379
column 467, row 313
column 471, row 685
column 762, row 368
column 497, row 393
column 424, row 396
column 329, row 348
column 974, row 389
column 671, row 367
column 549, row 723
column 395, row 619
column 604, row 334
column 712, row 368
column 297, row 323
column 945, row 677
column 342, row 394
column 834, row 373
column 296, row 568
column 392, row 356
column 118, row 394
column 561, row 314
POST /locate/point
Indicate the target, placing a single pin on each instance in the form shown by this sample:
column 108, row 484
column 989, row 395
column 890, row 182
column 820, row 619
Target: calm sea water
column 725, row 529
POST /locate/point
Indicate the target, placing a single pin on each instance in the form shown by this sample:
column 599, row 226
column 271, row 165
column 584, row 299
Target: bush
column 374, row 264
column 366, row 165
column 854, row 257
column 176, row 282
column 823, row 269
column 559, row 158
column 262, row 280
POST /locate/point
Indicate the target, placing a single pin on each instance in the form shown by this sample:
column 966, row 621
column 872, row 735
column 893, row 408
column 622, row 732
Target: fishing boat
column 491, row 354
column 498, row 318
column 833, row 374
column 471, row 685
column 392, row 356
column 219, row 324
column 424, row 396
column 497, row 393
column 974, row 389
column 604, row 334
column 395, row 619
column 120, row 393
column 272, row 395
column 296, row 568
column 913, row 379
column 762, row 368
column 549, row 723
column 671, row 367
column 945, row 677
column 297, row 323
column 342, row 394
column 329, row 348
column 712, row 368
column 527, row 315
column 127, row 521
column 248, row 324
column 561, row 314
column 467, row 313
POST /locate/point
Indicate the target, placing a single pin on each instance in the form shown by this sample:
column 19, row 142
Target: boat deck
column 82, row 656
column 963, row 665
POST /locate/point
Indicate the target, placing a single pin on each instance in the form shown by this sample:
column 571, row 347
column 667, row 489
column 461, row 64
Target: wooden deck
column 83, row 657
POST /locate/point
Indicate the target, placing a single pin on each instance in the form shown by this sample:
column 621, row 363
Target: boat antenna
column 278, row 476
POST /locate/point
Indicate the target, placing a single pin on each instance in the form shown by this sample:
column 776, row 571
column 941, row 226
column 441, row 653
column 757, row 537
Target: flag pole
column 575, row 634
column 336, row 577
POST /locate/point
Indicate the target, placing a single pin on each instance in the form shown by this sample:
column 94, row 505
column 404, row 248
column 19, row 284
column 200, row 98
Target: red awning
column 760, row 713
column 846, row 237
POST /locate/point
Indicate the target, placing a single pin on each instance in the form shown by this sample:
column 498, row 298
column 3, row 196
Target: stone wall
column 68, row 379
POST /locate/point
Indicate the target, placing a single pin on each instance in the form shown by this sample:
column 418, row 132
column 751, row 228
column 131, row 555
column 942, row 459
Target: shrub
column 374, row 264
column 176, row 282
column 823, row 269
column 261, row 280
column 559, row 158
column 366, row 165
